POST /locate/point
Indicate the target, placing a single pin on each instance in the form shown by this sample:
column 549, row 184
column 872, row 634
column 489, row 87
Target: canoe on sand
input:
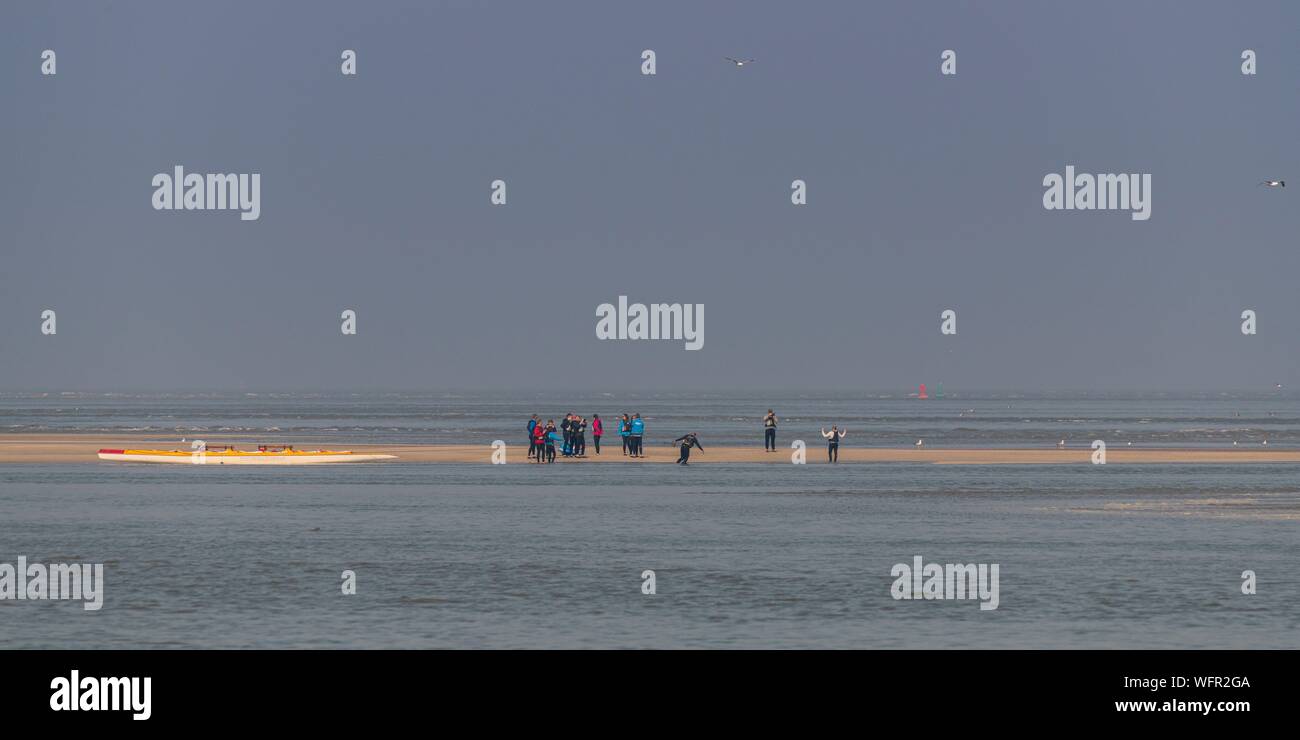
column 263, row 455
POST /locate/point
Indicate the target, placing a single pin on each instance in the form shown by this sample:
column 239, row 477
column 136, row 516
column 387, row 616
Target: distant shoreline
column 82, row 448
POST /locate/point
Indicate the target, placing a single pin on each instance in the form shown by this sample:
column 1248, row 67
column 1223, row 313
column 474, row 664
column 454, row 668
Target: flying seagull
column 1274, row 183
column 739, row 62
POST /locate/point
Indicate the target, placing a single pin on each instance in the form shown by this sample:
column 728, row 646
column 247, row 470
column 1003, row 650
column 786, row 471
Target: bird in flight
column 739, row 62
column 1274, row 183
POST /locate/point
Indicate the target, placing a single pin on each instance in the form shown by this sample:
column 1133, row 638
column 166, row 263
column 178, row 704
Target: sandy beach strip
column 75, row 448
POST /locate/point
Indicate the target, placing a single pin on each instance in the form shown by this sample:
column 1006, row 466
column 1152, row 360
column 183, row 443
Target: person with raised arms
column 833, row 443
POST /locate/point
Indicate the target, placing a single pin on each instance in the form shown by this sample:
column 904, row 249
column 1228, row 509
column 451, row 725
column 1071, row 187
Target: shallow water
column 744, row 556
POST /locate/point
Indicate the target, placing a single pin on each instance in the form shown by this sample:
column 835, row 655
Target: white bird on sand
column 1234, row 443
column 739, row 62
column 1274, row 183
column 1061, row 443
column 920, row 443
column 1266, row 441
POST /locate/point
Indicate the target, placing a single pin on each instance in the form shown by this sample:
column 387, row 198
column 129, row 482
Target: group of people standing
column 571, row 437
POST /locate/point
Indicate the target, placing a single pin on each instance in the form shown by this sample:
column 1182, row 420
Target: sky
column 924, row 193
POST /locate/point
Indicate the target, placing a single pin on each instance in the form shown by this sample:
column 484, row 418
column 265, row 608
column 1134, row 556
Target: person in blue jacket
column 636, row 432
column 625, row 431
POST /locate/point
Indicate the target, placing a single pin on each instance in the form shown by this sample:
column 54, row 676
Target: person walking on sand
column 532, row 443
column 833, row 443
column 687, row 442
column 769, row 432
column 625, row 431
column 597, row 429
column 637, row 433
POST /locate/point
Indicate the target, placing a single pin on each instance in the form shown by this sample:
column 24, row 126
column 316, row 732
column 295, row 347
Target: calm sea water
column 1210, row 419
column 744, row 556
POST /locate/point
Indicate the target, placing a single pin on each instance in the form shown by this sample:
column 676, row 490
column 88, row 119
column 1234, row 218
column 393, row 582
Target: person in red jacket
column 597, row 429
column 539, row 439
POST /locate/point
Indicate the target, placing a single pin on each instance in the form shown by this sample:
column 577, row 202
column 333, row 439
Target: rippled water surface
column 744, row 556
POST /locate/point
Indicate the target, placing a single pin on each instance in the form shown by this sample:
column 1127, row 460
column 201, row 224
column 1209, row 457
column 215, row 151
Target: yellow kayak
column 263, row 455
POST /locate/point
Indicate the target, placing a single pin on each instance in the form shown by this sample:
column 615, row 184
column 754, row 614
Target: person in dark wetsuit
column 833, row 443
column 580, row 437
column 532, row 443
column 687, row 442
column 566, row 430
column 551, row 438
column 769, row 432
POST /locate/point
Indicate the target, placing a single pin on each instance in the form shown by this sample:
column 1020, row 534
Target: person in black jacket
column 566, row 430
column 687, row 442
column 579, row 429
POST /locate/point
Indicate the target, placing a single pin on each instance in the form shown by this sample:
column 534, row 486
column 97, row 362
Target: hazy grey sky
column 925, row 193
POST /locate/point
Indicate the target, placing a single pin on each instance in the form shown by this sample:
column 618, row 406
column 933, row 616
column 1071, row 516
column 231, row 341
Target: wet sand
column 74, row 448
